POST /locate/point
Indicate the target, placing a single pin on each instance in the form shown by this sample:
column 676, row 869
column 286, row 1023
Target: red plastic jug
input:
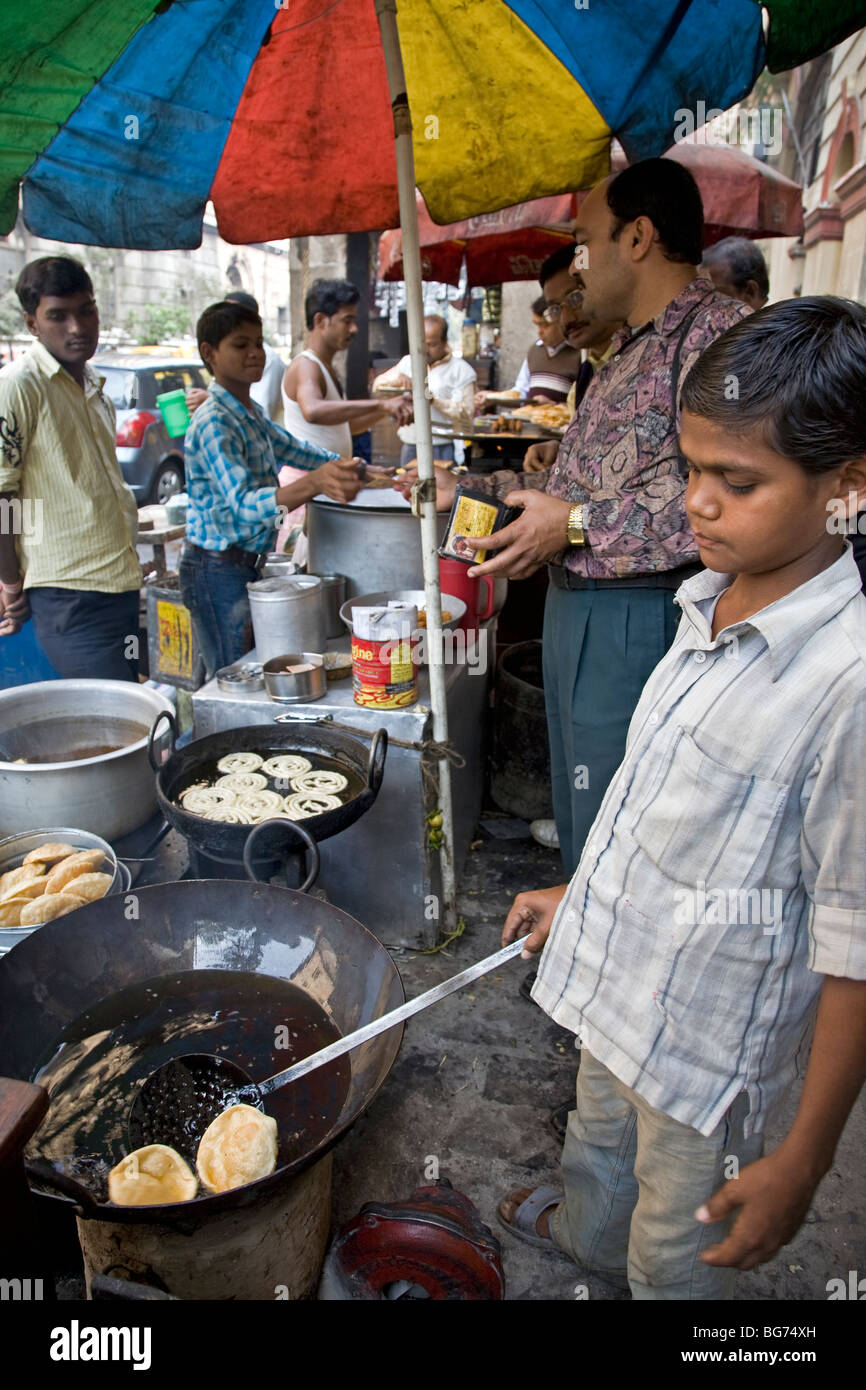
column 477, row 594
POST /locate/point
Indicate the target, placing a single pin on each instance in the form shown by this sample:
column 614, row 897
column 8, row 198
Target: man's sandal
column 526, row 1217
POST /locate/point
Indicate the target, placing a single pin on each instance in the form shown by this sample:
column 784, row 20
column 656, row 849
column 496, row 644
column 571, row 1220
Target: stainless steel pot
column 288, row 615
column 109, row 794
column 375, row 544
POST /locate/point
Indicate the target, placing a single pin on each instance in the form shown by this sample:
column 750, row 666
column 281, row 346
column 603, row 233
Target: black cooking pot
column 364, row 769
column 68, row 965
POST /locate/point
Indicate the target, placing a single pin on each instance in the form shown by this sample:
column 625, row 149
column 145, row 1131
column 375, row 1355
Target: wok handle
column 304, row 835
column 22, row 1108
column 376, row 762
column 163, row 714
column 41, row 1172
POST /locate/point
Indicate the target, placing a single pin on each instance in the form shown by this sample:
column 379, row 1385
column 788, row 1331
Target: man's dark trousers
column 86, row 633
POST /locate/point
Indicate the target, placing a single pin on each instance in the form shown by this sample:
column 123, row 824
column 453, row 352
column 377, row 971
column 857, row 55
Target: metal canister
column 334, row 597
column 384, row 665
column 288, row 615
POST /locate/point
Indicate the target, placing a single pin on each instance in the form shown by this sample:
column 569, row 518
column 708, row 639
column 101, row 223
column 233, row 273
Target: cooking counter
column 381, row 869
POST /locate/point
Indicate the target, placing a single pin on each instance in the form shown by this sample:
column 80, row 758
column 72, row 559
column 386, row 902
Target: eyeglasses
column 572, row 301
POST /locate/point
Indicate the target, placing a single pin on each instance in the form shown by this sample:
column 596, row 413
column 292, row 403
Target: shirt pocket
column 707, row 820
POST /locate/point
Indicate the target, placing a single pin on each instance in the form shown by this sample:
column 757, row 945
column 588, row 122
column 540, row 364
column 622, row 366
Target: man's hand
column 772, row 1196
column 338, row 478
column 195, row 396
column 525, row 545
column 481, row 399
column 14, row 612
column 400, row 409
column 540, row 456
column 533, row 912
column 446, row 486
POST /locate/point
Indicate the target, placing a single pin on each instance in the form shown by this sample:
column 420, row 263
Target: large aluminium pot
column 109, row 794
column 374, row 541
column 218, row 926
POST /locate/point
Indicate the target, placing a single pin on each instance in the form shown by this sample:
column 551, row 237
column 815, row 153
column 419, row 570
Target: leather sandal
column 526, row 1216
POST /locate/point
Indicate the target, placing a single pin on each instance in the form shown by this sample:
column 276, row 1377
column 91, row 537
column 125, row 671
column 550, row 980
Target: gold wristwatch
column 575, row 526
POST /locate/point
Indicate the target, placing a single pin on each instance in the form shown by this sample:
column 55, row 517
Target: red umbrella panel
column 741, row 197
column 510, row 244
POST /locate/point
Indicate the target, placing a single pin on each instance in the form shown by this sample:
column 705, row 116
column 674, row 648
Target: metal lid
column 244, row 676
column 281, row 589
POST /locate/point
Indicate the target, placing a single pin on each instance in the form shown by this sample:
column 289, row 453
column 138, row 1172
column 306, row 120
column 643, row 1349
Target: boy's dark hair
column 219, row 320
column 51, row 275
column 538, row 306
column 558, row 260
column 664, row 191
column 328, row 297
column 796, row 372
column 744, row 260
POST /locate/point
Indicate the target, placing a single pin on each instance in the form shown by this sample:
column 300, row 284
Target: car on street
column 151, row 460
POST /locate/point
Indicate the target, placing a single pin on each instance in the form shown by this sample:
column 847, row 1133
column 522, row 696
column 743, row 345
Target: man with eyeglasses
column 563, row 294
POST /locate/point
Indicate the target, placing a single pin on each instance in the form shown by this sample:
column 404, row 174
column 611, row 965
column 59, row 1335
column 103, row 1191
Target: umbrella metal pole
column 386, row 13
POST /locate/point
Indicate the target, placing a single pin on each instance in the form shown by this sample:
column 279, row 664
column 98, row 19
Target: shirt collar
column 668, row 319
column 789, row 623
column 232, row 403
column 49, row 366
column 597, row 359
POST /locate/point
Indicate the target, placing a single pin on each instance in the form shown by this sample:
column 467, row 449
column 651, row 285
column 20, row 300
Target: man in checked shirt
column 233, row 455
column 716, row 924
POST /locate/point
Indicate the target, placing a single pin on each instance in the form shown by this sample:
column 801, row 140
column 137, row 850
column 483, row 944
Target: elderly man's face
column 721, row 274
column 437, row 345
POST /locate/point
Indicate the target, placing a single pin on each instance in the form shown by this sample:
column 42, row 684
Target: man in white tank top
column 315, row 408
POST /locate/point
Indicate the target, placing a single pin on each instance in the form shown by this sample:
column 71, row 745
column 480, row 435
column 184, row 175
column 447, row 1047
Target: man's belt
column 563, row 578
column 233, row 556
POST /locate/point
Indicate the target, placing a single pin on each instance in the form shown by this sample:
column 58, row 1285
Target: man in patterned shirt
column 233, row 454
column 609, row 517
column 716, row 924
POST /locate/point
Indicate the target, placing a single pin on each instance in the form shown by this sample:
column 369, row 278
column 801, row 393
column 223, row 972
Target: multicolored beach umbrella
column 122, row 120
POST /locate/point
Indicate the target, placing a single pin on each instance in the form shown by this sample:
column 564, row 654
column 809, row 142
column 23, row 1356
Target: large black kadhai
column 222, row 961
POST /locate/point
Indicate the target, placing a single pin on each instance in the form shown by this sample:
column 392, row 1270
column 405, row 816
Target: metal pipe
column 386, row 13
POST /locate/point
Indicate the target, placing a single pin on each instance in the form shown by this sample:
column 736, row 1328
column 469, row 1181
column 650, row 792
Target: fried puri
column 151, row 1176
column 238, row 1147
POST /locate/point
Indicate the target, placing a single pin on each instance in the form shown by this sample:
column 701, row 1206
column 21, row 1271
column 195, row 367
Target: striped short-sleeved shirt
column 58, row 462
column 725, row 873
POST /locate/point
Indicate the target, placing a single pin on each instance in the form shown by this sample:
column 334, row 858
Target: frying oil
column 261, row 1023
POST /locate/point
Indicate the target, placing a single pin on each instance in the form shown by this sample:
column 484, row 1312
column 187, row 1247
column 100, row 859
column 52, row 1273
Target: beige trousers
column 633, row 1180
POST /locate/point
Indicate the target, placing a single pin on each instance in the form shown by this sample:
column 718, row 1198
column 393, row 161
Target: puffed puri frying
column 238, row 1147
column 152, row 1176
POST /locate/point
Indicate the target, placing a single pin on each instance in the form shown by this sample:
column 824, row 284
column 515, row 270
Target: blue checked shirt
column 725, row 873
column 232, row 460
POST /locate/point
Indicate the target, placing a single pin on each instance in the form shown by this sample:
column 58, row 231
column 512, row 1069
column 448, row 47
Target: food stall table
column 382, row 869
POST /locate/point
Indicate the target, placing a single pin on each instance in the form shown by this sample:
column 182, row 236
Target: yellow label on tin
column 471, row 518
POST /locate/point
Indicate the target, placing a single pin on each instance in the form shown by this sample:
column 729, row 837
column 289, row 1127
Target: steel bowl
column 291, row 689
column 15, row 847
column 455, row 606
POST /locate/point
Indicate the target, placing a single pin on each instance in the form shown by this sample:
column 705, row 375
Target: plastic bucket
column 174, row 411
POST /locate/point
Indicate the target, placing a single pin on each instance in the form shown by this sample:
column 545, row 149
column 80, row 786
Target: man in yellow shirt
column 67, row 519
